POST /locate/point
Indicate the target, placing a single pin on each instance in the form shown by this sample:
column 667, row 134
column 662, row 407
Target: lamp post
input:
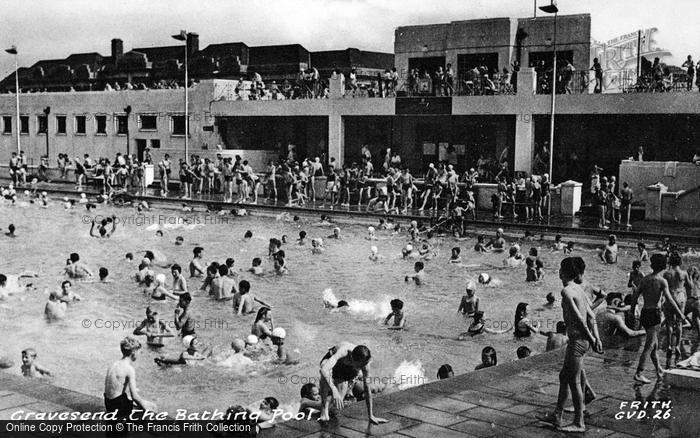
column 552, row 9
column 182, row 36
column 13, row 51
column 47, row 111
column 127, row 110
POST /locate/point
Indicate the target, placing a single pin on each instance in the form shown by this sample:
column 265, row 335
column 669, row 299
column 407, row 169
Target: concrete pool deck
column 18, row 393
column 501, row 401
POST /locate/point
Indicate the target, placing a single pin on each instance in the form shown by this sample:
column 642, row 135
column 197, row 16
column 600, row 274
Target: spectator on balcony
column 385, row 83
column 568, row 76
column 315, row 81
column 696, row 157
column 504, row 85
column 639, row 156
column 449, row 84
column 514, row 76
column 412, row 81
column 489, row 88
column 352, row 83
column 394, row 76
column 438, row 80
column 338, row 75
column 598, row 69
column 690, row 72
column 471, row 80
column 258, row 84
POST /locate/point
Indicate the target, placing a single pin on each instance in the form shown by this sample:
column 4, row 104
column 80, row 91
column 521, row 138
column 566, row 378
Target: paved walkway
column 504, row 401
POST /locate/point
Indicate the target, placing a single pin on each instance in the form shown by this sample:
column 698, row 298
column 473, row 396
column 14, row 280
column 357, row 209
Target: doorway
column 141, row 146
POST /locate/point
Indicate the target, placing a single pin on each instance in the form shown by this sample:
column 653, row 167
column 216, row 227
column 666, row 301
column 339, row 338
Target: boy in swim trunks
column 120, row 382
column 582, row 331
column 680, row 286
column 652, row 288
column 339, row 369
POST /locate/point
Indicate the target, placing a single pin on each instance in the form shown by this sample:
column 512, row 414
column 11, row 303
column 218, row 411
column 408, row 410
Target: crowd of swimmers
column 668, row 295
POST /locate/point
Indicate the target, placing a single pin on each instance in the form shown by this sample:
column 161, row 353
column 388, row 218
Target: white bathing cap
column 471, row 285
column 279, row 332
column 251, row 340
column 370, row 229
column 160, row 278
column 187, row 340
column 484, row 278
column 373, row 248
column 409, row 247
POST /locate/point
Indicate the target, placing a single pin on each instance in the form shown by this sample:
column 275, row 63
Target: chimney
column 117, row 48
column 192, row 43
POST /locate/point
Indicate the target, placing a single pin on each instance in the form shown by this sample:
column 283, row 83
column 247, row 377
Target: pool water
column 79, row 355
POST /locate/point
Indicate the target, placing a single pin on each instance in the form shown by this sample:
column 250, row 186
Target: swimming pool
column 80, row 348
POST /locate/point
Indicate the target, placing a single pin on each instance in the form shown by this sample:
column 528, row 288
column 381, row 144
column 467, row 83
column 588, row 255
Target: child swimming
column 30, row 368
column 374, row 254
column 418, row 276
column 470, row 302
column 397, row 315
column 371, row 234
column 558, row 245
column 454, row 257
column 256, row 268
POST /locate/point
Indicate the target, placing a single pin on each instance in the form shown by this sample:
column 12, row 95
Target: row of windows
column 146, row 122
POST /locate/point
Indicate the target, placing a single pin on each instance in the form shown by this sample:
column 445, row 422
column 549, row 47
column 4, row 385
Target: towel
column 670, row 168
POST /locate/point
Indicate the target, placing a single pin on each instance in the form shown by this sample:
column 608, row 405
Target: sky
column 55, row 29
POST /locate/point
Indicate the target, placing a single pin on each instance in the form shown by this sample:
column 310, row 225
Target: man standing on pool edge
column 582, row 331
column 339, row 368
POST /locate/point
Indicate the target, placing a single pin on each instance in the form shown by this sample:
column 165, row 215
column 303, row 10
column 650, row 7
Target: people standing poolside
column 681, row 287
column 652, row 288
column 582, row 331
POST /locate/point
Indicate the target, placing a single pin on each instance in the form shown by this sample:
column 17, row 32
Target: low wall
column 674, row 175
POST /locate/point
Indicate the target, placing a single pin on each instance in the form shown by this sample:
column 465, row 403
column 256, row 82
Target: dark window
column 42, row 127
column 148, row 122
column 178, row 125
column 24, row 124
column 155, row 144
column 60, row 124
column 101, row 121
column 7, row 124
column 122, row 124
column 80, row 124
